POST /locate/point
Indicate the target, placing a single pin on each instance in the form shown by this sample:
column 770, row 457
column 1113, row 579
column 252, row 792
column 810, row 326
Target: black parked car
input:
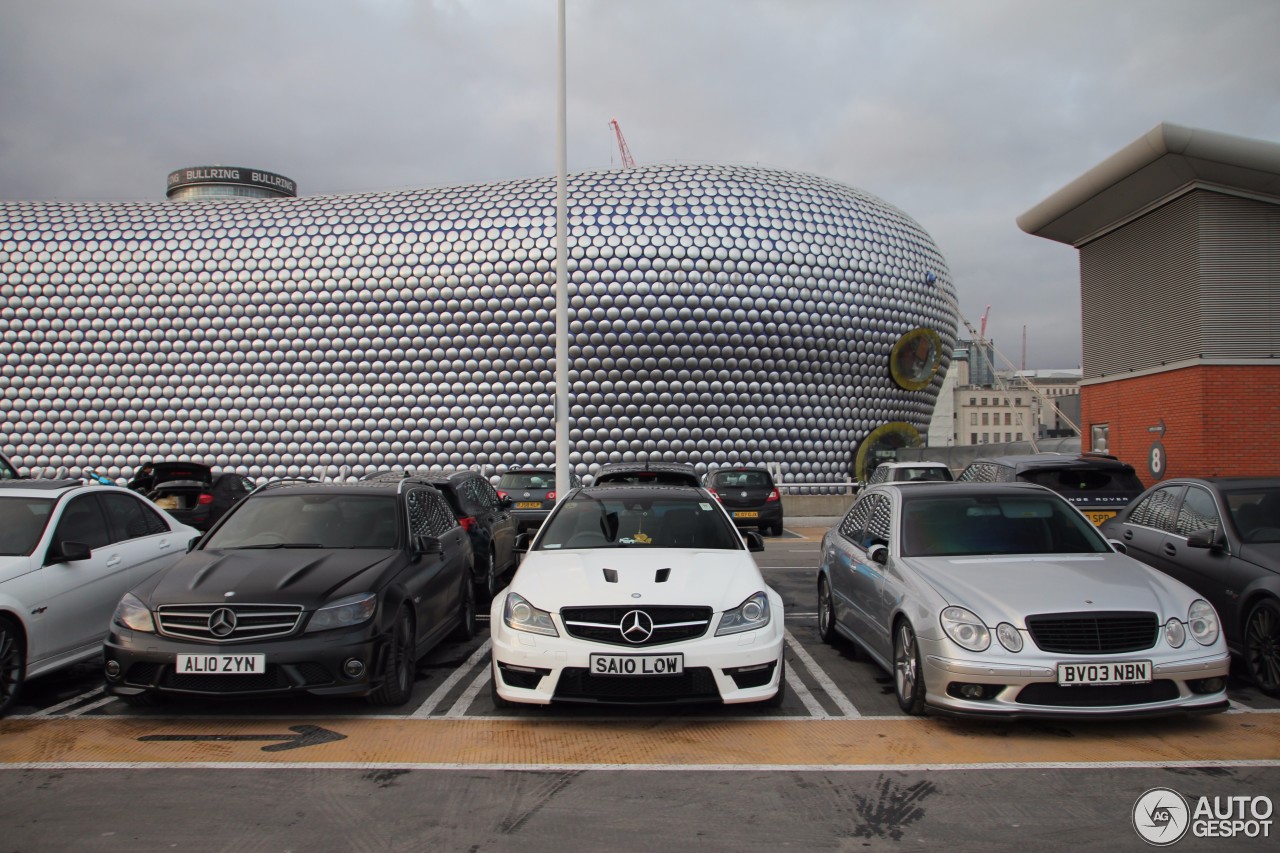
column 533, row 494
column 487, row 518
column 1221, row 537
column 324, row 588
column 749, row 495
column 647, row 474
column 7, row 471
column 190, row 491
column 1096, row 484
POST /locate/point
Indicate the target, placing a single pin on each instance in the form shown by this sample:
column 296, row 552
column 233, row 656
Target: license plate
column 1129, row 672
column 221, row 664
column 1097, row 516
column 637, row 664
column 746, row 515
column 529, row 505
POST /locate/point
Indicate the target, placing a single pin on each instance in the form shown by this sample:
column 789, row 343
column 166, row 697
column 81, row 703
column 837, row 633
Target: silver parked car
column 68, row 552
column 1003, row 600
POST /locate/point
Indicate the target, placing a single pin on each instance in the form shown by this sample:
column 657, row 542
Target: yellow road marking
column 1251, row 738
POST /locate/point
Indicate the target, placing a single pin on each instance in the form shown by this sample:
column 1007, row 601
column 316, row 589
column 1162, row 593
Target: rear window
column 741, row 479
column 1085, row 480
column 648, row 478
column 528, row 480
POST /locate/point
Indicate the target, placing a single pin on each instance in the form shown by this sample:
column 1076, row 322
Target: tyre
column 13, row 663
column 776, row 529
column 1262, row 646
column 498, row 702
column 467, row 611
column 908, row 675
column 826, row 612
column 487, row 582
column 397, row 666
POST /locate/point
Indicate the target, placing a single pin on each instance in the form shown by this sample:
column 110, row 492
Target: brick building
column 1179, row 242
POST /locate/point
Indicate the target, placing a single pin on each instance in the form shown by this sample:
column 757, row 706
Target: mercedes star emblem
column 222, row 622
column 636, row 627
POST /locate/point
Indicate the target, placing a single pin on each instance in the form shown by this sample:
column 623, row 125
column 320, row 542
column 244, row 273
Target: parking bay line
column 457, row 675
column 824, row 681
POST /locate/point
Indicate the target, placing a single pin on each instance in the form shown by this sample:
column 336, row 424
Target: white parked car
column 68, row 552
column 635, row 594
column 1003, row 600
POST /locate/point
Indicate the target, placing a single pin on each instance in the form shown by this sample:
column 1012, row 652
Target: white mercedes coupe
column 638, row 595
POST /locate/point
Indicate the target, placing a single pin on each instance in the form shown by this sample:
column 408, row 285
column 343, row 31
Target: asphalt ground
column 837, row 767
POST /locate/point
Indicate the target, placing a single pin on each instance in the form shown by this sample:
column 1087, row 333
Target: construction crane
column 627, row 161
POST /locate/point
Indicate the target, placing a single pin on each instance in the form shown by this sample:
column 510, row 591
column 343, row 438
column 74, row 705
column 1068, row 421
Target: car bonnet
column 299, row 576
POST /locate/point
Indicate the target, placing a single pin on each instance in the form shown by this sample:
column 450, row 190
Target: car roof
column 961, row 489
column 626, row 490
column 720, row 468
column 387, row 486
column 919, row 463
column 1056, row 460
column 1223, row 482
column 28, row 486
column 609, row 467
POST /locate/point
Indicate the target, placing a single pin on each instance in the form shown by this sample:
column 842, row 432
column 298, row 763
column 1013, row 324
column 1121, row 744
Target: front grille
column 273, row 679
column 1097, row 695
column 694, row 684
column 605, row 624
column 252, row 621
column 1094, row 633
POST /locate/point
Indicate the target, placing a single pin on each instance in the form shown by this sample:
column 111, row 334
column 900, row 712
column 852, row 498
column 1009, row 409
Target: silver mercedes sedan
column 1002, row 600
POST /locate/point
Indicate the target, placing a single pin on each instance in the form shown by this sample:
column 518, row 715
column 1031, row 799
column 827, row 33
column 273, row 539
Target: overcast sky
column 964, row 114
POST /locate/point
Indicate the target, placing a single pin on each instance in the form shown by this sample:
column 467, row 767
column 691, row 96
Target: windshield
column 638, row 522
column 528, row 481
column 309, row 521
column 22, row 523
column 1256, row 513
column 995, row 524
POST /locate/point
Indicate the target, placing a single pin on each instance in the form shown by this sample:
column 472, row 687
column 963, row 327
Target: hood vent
column 662, row 575
column 611, row 575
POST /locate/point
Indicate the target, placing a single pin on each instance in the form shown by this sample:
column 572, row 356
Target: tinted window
column 82, row 522
column 317, row 520
column 131, row 518
column 1156, row 509
column 22, row 523
column 981, row 472
column 435, row 512
column 641, row 521
column 855, row 520
column 926, row 474
column 878, row 525
column 528, row 480
column 1198, row 512
column 1256, row 513
column 741, row 479
column 995, row 524
column 1085, row 480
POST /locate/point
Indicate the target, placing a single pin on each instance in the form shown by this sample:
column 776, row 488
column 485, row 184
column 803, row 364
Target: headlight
column 965, row 629
column 134, row 615
column 344, row 613
column 747, row 616
column 1009, row 637
column 1175, row 634
column 520, row 615
column 1202, row 621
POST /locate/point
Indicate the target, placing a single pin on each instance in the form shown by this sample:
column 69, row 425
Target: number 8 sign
column 1157, row 461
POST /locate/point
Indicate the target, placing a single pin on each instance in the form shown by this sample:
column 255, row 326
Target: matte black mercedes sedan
column 1221, row 537
column 325, row 588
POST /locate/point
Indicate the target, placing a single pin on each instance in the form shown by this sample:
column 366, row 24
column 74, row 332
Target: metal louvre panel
column 1140, row 292
column 1239, row 261
column 253, row 621
column 1094, row 633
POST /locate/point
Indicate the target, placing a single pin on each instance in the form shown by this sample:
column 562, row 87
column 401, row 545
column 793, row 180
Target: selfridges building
column 719, row 315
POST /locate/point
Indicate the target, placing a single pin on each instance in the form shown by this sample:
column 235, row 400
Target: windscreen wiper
column 278, row 545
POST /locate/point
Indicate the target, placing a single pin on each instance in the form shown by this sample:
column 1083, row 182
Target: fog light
column 113, row 669
column 973, row 692
column 353, row 668
column 1207, row 685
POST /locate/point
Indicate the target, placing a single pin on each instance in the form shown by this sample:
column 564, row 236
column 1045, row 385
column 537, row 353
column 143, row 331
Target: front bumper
column 304, row 663
column 537, row 669
column 1181, row 682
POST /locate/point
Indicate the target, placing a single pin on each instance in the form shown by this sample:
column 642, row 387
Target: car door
column 1216, row 573
column 71, row 601
column 874, row 590
column 433, row 580
column 141, row 536
column 1148, row 525
column 498, row 519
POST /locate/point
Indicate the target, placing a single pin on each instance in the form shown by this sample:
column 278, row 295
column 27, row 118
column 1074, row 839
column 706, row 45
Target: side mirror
column 523, row 540
column 878, row 554
column 67, row 552
column 191, row 545
column 1119, row 546
column 755, row 542
column 1207, row 538
column 427, row 545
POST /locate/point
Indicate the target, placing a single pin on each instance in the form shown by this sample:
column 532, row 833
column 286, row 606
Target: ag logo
column 1161, row 816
